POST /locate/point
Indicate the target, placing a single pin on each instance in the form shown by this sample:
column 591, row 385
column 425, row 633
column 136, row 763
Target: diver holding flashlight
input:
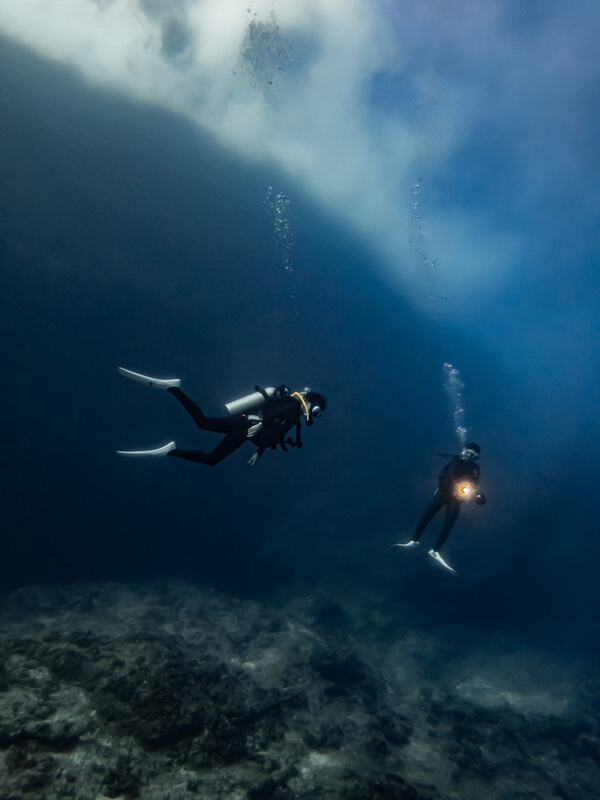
column 457, row 484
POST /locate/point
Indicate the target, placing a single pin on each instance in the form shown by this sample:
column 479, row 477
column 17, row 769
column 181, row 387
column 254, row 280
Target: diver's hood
column 316, row 399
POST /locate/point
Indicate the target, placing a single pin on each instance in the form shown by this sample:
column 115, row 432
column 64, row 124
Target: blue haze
column 128, row 237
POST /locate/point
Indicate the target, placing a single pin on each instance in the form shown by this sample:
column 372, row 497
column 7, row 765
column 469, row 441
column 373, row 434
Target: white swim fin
column 160, row 451
column 412, row 543
column 160, row 383
column 437, row 556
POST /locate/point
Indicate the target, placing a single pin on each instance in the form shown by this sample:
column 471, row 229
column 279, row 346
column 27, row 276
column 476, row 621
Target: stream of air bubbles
column 279, row 209
column 454, row 386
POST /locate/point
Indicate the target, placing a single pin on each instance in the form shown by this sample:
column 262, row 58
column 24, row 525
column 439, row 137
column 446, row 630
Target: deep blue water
column 129, row 238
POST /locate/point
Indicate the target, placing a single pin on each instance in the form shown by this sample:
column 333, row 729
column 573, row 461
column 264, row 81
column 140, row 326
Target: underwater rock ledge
column 164, row 690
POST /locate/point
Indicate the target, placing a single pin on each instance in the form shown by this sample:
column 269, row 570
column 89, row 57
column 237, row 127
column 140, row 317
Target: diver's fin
column 412, row 543
column 160, row 383
column 437, row 556
column 160, row 451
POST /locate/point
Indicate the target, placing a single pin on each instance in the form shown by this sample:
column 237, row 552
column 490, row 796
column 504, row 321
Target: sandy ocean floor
column 164, row 691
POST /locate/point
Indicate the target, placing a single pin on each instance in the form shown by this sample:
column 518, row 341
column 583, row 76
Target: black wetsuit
column 457, row 470
column 278, row 416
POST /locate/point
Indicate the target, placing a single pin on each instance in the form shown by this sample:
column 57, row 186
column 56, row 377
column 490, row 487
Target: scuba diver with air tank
column 266, row 416
column 457, row 484
column 277, row 411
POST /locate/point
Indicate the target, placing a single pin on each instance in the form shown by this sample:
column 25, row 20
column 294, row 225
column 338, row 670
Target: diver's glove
column 253, row 459
column 254, row 429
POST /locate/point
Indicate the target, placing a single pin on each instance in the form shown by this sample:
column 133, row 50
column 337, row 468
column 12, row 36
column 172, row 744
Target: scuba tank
column 250, row 401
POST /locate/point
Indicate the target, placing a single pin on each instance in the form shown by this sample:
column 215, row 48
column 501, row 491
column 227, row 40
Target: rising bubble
column 454, row 386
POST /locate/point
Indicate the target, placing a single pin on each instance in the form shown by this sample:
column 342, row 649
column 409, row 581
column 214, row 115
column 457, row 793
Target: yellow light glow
column 463, row 490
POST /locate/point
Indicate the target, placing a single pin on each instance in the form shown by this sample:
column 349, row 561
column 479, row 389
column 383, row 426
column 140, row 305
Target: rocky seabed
column 165, row 691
